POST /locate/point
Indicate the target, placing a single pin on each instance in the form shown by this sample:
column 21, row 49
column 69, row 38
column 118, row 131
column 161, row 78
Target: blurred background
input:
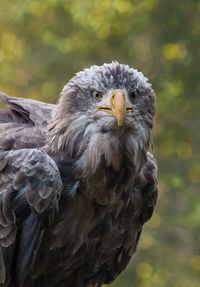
column 42, row 45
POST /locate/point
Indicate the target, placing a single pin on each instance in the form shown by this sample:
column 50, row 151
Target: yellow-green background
column 43, row 43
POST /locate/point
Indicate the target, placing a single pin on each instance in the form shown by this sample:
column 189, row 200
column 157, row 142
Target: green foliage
column 43, row 43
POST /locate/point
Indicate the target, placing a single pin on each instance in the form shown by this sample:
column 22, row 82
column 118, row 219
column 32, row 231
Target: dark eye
column 97, row 95
column 133, row 94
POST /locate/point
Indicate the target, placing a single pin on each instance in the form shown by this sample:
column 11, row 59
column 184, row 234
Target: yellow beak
column 117, row 106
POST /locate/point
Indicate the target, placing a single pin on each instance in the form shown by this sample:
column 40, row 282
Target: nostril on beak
column 129, row 109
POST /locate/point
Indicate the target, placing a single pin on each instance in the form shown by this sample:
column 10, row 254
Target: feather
column 2, row 267
column 24, row 124
column 29, row 238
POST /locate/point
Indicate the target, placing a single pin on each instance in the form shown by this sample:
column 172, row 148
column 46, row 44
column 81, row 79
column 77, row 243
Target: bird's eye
column 97, row 95
column 132, row 94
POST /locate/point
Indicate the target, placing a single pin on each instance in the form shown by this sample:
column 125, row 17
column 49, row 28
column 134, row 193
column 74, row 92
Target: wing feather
column 146, row 182
column 33, row 111
column 30, row 187
column 23, row 124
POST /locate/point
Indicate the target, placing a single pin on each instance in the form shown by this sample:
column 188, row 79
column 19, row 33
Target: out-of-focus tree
column 43, row 43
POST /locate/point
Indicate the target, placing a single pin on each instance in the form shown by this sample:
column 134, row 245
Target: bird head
column 104, row 113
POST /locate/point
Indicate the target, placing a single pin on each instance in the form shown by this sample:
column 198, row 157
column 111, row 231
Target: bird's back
column 23, row 124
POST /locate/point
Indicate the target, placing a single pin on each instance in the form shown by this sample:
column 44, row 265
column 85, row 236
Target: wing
column 146, row 183
column 30, row 187
column 24, row 123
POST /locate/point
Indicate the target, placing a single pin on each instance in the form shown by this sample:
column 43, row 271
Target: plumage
column 77, row 182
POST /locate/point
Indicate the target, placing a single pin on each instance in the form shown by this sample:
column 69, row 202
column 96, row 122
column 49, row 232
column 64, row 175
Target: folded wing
column 30, row 187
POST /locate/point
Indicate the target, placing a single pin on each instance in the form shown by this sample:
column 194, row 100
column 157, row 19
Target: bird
column 77, row 179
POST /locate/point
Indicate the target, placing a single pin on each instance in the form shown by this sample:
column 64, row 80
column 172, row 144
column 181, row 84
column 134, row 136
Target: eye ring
column 97, row 95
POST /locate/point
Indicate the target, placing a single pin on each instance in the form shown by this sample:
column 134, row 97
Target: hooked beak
column 117, row 106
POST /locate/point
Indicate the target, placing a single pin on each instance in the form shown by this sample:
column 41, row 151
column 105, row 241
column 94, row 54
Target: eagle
column 77, row 182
